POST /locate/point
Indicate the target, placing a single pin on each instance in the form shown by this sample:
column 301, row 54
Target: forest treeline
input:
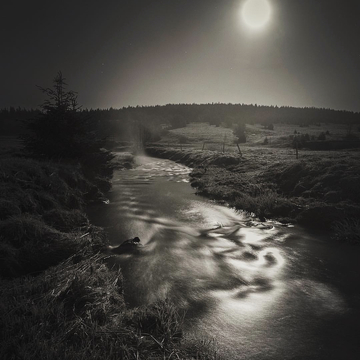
column 154, row 118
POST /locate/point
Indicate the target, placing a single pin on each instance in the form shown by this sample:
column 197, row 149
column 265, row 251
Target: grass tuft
column 76, row 310
column 65, row 220
column 8, row 209
column 32, row 246
column 347, row 230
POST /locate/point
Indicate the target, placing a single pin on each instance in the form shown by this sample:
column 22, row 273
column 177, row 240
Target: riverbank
column 319, row 190
column 58, row 298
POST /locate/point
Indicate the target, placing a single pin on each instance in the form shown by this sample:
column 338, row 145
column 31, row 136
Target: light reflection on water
column 237, row 279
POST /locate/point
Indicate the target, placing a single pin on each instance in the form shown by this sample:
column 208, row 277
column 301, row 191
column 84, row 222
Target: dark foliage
column 63, row 132
column 239, row 132
column 322, row 136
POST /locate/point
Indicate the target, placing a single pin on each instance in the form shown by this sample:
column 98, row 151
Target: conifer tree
column 64, row 133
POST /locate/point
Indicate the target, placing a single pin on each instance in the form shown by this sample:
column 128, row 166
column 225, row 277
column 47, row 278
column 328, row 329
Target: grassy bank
column 76, row 310
column 318, row 190
column 58, row 298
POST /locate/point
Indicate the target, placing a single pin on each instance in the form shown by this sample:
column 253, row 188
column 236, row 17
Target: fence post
column 237, row 144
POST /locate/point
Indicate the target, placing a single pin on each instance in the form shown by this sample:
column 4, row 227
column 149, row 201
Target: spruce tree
column 64, row 133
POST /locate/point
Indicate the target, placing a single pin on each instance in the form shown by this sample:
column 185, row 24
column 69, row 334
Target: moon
column 256, row 13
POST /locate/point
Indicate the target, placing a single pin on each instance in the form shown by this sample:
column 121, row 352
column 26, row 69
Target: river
column 261, row 290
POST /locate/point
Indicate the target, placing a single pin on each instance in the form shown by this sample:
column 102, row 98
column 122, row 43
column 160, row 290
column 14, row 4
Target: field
column 211, row 137
column 317, row 189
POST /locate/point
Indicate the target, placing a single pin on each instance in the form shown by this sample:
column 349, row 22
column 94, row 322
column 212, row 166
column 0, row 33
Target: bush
column 239, row 132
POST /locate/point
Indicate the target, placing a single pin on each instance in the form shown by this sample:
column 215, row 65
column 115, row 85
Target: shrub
column 239, row 133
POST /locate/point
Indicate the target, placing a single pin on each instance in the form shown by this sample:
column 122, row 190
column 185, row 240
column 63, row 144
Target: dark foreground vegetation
column 59, row 299
column 320, row 190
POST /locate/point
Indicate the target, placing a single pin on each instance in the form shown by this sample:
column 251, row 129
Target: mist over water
column 262, row 290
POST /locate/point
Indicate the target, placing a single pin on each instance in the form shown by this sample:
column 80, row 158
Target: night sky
column 130, row 52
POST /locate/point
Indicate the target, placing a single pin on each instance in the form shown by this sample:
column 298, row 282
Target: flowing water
column 261, row 290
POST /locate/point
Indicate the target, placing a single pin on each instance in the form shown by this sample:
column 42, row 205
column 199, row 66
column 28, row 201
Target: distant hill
column 179, row 115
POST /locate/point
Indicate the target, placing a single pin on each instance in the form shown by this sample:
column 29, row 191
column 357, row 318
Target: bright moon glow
column 256, row 13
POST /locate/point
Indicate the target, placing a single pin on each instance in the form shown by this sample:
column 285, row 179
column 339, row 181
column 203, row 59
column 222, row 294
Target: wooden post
column 237, row 144
column 224, row 141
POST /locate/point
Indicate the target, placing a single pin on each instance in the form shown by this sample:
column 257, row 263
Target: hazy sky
column 142, row 52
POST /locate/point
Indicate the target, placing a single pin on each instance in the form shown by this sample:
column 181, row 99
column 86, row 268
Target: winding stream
column 262, row 290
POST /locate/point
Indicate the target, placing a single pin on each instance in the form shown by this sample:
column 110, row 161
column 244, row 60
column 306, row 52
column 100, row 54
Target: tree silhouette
column 239, row 132
column 62, row 132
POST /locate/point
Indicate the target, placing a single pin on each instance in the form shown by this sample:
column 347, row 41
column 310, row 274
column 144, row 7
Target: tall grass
column 41, row 215
column 316, row 191
column 76, row 310
column 347, row 230
column 265, row 205
column 58, row 297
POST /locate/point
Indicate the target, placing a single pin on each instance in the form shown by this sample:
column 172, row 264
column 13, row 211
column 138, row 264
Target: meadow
column 316, row 189
column 212, row 137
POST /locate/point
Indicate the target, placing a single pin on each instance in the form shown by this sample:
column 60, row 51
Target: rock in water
column 126, row 246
